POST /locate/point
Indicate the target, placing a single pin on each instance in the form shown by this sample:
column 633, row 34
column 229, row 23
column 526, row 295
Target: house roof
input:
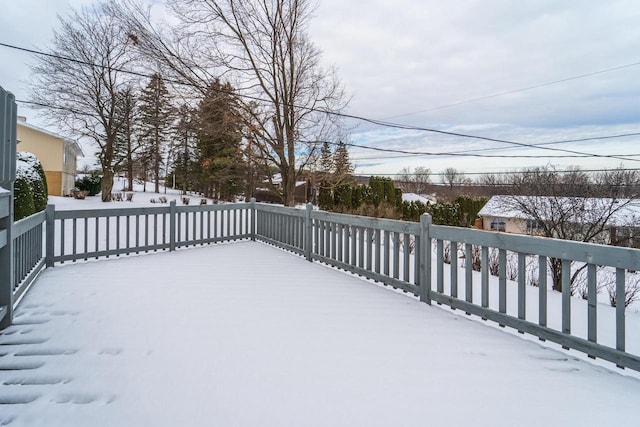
column 69, row 142
column 628, row 212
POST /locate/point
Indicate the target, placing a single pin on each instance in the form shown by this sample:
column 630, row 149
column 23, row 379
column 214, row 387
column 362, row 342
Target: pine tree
column 126, row 144
column 219, row 138
column 343, row 169
column 156, row 117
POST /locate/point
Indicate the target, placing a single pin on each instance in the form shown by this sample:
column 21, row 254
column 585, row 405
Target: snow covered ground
column 243, row 334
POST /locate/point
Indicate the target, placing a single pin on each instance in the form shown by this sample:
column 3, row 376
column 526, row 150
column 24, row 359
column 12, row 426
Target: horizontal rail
column 590, row 253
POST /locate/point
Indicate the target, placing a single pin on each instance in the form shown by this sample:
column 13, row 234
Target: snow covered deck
column 244, row 334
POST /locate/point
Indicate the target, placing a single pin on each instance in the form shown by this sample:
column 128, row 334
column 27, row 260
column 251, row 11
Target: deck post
column 425, row 259
column 173, row 212
column 50, row 234
column 8, row 141
column 308, row 232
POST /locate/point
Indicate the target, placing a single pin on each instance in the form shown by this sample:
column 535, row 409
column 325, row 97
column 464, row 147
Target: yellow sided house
column 57, row 154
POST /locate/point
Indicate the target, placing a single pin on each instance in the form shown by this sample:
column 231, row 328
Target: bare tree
column 263, row 49
column 416, row 181
column 453, row 177
column 80, row 82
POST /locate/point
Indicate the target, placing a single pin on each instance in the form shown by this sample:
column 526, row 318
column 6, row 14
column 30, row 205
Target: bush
column 91, row 183
column 23, row 205
column 30, row 188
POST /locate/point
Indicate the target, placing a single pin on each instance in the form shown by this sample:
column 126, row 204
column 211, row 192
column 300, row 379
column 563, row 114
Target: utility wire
column 349, row 116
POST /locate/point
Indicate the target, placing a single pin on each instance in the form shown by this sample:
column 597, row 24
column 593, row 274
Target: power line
column 407, row 153
column 516, row 172
column 344, row 115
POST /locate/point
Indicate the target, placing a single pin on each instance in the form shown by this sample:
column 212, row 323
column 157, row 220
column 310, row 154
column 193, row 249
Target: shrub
column 23, row 205
column 90, row 183
column 30, row 188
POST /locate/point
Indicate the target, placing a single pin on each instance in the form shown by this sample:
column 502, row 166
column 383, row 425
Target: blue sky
column 402, row 60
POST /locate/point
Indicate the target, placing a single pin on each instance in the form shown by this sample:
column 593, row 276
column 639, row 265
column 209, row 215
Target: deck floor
column 244, row 334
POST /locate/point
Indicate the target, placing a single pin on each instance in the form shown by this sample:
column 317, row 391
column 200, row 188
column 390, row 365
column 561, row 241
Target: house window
column 534, row 225
column 498, row 224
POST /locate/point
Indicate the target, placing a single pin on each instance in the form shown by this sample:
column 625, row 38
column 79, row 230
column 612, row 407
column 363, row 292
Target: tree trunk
column 107, row 184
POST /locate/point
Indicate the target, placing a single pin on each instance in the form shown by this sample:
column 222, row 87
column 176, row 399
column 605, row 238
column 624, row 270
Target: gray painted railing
column 98, row 233
column 391, row 252
column 396, row 253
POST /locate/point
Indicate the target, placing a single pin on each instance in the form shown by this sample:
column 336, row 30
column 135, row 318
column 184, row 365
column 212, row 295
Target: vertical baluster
column 346, row 231
column 128, row 233
column 118, row 234
column 97, row 245
column 378, row 250
column 137, row 225
column 620, row 308
column 485, row 276
column 369, row 248
column 502, row 281
column 75, row 238
column 62, row 238
column 354, row 241
column 522, row 290
column 387, row 251
column 592, row 302
column 468, row 273
column 439, row 266
column 453, row 251
column 146, row 231
column 542, row 290
column 361, row 239
column 107, row 226
column 416, row 260
column 407, row 251
column 566, row 296
column 396, row 255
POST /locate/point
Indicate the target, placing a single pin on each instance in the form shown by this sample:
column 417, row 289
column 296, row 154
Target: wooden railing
column 448, row 265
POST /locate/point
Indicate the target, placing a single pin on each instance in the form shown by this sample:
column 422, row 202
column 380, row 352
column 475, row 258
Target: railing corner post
column 308, row 232
column 253, row 219
column 50, row 219
column 425, row 258
column 173, row 213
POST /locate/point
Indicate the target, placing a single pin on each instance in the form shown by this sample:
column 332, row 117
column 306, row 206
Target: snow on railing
column 449, row 265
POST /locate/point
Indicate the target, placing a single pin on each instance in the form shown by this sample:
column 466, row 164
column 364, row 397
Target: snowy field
column 243, row 334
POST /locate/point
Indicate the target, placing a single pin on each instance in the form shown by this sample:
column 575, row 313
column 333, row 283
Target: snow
column 26, row 164
column 413, row 197
column 244, row 334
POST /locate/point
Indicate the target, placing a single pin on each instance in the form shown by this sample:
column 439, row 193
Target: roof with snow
column 625, row 212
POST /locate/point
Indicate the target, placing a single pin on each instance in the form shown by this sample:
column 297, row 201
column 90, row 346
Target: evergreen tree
column 156, row 117
column 219, row 142
column 185, row 149
column 343, row 169
column 126, row 145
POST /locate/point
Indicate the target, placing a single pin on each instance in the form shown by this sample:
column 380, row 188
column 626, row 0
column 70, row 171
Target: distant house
column 57, row 154
column 501, row 213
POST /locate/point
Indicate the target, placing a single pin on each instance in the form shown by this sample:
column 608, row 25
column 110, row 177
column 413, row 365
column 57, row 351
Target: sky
column 426, row 63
